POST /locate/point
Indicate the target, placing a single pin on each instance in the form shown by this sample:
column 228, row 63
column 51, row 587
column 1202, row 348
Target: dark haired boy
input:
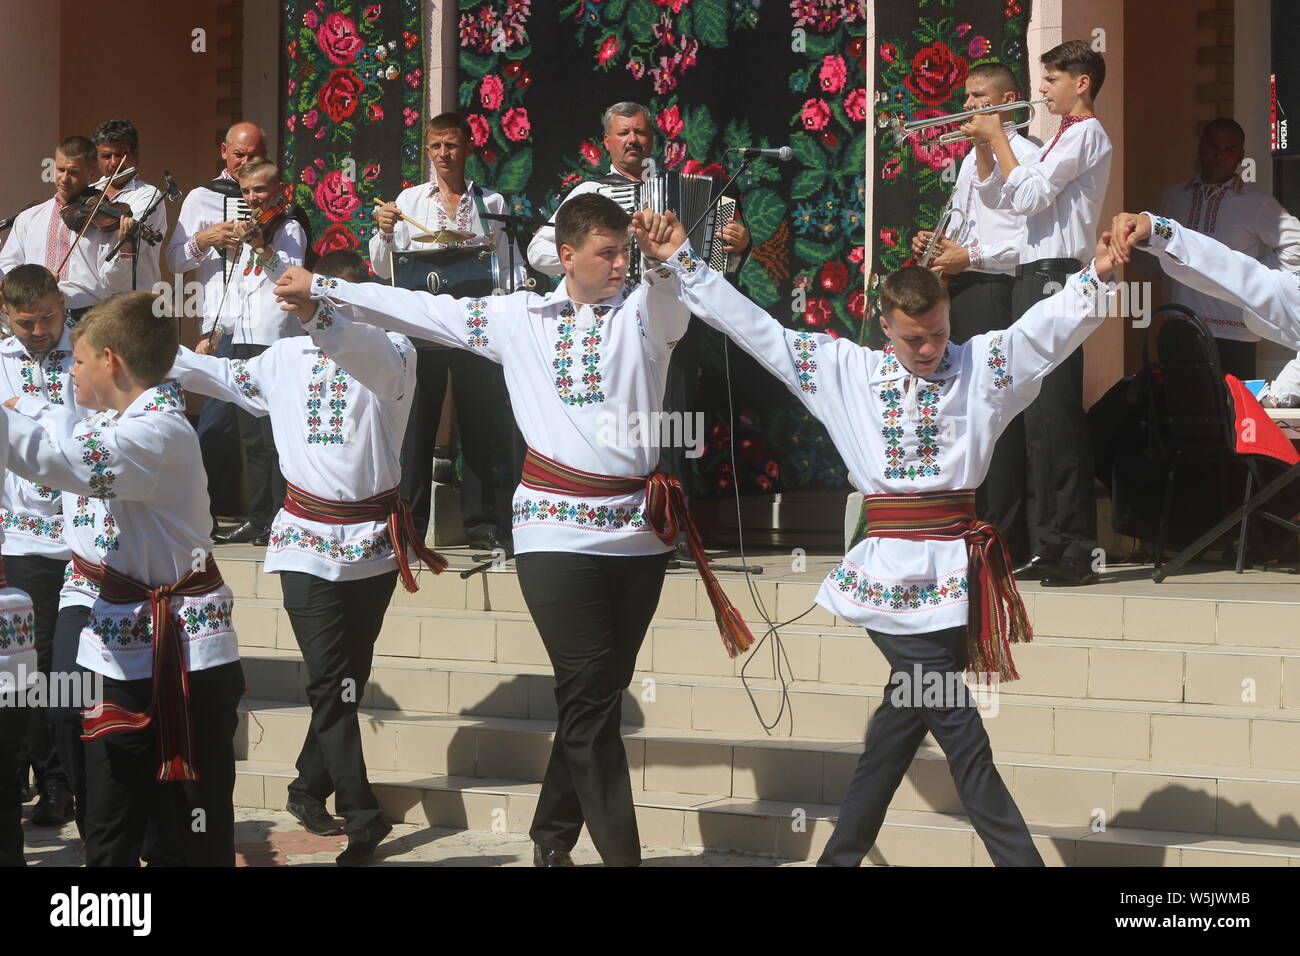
column 116, row 141
column 1059, row 194
column 160, row 749
column 591, row 515
column 916, row 424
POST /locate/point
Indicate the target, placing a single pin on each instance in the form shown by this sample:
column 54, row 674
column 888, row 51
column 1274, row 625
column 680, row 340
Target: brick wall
column 230, row 65
column 1215, row 26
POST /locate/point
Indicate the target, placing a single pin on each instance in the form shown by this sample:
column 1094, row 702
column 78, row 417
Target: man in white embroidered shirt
column 980, row 260
column 1218, row 203
column 1059, row 194
column 932, row 584
column 117, row 142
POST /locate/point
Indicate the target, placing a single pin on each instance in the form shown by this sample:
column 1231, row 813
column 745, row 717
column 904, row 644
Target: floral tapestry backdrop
column 352, row 90
column 924, row 50
column 715, row 74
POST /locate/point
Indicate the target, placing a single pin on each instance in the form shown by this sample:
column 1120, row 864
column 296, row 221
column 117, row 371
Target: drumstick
column 423, row 229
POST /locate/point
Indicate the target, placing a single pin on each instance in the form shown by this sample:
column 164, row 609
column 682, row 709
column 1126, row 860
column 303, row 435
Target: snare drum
column 465, row 272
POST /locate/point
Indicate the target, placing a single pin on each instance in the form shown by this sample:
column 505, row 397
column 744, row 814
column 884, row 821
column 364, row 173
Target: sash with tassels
column 665, row 512
column 997, row 617
column 169, row 697
column 387, row 507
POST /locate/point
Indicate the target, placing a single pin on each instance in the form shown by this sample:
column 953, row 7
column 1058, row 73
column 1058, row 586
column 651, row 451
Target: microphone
column 172, row 192
column 784, row 154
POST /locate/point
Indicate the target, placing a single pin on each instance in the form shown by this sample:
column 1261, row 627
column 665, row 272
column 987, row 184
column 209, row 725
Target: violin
column 261, row 223
column 107, row 218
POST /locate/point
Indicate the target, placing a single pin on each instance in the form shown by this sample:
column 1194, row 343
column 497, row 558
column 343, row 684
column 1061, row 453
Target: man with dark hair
column 1218, row 203
column 591, row 526
column 36, row 361
column 980, row 258
column 932, row 584
column 116, row 141
column 40, row 236
column 488, row 436
column 1058, row 194
column 206, row 242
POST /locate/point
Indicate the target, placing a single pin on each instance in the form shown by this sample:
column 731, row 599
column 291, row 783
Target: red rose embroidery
column 834, row 277
column 336, row 196
column 515, row 124
column 713, row 169
column 818, row 313
column 670, row 121
column 491, row 92
column 608, row 50
column 479, row 129
column 590, row 152
column 857, row 303
column 338, row 97
column 936, row 72
column 336, row 237
column 816, row 114
column 338, row 39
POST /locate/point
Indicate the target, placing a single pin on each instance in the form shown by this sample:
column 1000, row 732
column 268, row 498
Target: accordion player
column 687, row 195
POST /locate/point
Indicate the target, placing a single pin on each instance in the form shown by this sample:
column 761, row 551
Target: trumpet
column 941, row 231
column 903, row 129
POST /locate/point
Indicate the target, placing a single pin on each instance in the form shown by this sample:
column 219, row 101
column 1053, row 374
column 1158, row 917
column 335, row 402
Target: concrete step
column 1080, row 668
column 775, row 828
column 1261, row 609
column 1076, row 791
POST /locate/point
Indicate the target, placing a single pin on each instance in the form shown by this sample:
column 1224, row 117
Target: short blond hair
column 139, row 329
column 258, row 166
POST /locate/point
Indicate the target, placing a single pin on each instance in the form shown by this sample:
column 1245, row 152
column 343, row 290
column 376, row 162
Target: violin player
column 42, row 235
column 117, row 142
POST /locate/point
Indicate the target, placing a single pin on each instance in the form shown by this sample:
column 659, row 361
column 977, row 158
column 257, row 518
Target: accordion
column 687, row 195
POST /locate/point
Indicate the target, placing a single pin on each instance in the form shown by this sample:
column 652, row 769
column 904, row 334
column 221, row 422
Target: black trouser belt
column 968, row 278
column 1048, row 266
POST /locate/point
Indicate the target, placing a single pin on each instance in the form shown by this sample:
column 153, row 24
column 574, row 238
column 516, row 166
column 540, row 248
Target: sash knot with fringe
column 665, row 512
column 388, row 507
column 997, row 617
column 169, row 697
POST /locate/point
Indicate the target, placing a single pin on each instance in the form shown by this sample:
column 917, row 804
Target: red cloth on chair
column 1252, row 420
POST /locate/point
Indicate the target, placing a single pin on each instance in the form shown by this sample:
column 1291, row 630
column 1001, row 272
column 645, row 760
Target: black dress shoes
column 1035, row 569
column 313, row 817
column 492, row 540
column 246, row 533
column 54, row 808
column 363, row 843
column 1071, row 574
column 544, row 857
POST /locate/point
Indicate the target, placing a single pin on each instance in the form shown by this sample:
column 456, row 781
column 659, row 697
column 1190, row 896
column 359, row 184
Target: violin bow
column 91, row 218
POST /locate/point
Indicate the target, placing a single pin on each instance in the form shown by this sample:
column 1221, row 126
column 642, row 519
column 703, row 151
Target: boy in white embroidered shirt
column 1059, row 195
column 338, row 403
column 590, row 543
column 916, row 425
column 161, row 746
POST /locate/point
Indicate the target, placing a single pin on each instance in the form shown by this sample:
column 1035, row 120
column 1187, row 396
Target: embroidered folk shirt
column 338, row 402
column 89, row 275
column 576, row 373
column 17, row 618
column 903, row 434
column 992, row 237
column 141, row 466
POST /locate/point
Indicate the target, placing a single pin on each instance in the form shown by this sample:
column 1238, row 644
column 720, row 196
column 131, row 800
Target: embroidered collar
column 560, row 295
column 161, row 398
column 1066, row 123
column 891, row 368
column 1234, row 183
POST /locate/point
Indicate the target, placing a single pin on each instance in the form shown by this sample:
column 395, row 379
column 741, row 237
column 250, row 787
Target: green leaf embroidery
column 758, row 285
column 475, row 65
column 764, row 210
column 514, row 173
column 641, row 17
column 698, row 132
column 807, row 151
column 711, row 22
column 807, row 183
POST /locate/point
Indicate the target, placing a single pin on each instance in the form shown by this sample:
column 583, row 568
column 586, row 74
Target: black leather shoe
column 1071, row 574
column 313, row 817
column 544, row 857
column 54, row 808
column 491, row 541
column 246, row 533
column 363, row 843
column 1035, row 569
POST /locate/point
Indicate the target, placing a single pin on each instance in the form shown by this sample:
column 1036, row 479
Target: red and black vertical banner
column 924, row 50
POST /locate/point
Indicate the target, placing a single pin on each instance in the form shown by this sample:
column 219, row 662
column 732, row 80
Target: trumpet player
column 1058, row 194
column 980, row 258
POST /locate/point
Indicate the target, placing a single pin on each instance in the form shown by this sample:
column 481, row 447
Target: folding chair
column 1193, row 420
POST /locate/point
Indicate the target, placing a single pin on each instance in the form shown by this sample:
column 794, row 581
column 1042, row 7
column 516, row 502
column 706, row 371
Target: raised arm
column 381, row 361
column 1270, row 298
column 239, row 381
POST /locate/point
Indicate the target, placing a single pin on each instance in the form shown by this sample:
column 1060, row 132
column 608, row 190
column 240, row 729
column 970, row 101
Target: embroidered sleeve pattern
column 244, row 379
column 997, row 362
column 97, row 457
column 476, row 321
column 804, row 348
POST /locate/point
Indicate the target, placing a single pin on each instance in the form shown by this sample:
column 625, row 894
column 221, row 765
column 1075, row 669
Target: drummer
column 446, row 213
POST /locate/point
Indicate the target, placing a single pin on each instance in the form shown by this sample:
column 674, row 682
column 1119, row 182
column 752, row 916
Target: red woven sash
column 169, row 697
column 387, row 507
column 997, row 617
column 665, row 512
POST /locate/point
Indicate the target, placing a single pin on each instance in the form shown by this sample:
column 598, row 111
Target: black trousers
column 262, row 460
column 12, row 727
column 1237, row 358
column 679, row 394
column 897, row 729
column 65, row 722
column 490, row 441
column 336, row 624
column 42, row 579
column 124, row 799
column 218, row 431
column 980, row 303
column 1061, row 505
column 592, row 612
